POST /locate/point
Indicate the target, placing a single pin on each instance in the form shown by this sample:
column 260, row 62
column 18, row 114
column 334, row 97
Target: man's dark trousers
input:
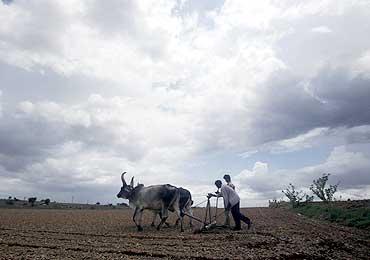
column 235, row 211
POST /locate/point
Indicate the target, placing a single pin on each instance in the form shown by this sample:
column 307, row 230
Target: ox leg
column 140, row 227
column 138, row 213
column 164, row 217
column 160, row 217
column 190, row 211
column 180, row 218
column 154, row 217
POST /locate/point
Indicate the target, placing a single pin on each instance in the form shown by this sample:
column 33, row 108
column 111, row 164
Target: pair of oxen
column 159, row 199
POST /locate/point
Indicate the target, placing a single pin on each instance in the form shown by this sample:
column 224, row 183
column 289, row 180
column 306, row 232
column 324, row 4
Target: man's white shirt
column 229, row 195
column 231, row 185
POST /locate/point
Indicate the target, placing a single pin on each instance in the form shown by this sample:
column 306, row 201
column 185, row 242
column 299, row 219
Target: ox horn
column 123, row 179
column 132, row 182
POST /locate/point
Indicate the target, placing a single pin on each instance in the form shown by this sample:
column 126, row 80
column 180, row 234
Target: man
column 227, row 178
column 231, row 202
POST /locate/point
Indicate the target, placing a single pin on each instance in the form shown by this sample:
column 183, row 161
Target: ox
column 185, row 204
column 158, row 198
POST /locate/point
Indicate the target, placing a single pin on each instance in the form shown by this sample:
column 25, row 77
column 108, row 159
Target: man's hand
column 210, row 195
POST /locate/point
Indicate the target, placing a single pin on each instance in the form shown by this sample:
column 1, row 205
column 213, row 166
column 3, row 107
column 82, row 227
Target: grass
column 352, row 217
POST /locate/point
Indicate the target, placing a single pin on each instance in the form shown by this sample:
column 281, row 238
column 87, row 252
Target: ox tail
column 187, row 206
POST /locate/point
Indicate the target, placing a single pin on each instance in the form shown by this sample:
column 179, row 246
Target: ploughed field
column 111, row 234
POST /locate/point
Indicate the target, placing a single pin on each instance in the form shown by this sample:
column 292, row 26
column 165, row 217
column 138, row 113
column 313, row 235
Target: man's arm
column 216, row 194
column 226, row 200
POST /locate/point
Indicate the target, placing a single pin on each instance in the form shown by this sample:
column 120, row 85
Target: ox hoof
column 139, row 228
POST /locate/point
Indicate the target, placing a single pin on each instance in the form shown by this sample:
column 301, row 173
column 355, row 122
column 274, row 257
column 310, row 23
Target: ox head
column 125, row 191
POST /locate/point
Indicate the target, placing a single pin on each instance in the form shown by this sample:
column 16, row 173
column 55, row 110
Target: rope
column 199, row 203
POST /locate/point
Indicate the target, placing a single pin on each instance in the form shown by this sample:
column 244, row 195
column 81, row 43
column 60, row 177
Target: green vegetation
column 349, row 216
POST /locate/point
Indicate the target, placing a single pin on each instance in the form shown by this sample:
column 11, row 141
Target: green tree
column 295, row 197
column 319, row 188
column 32, row 201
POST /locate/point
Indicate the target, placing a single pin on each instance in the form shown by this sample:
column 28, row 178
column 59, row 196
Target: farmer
column 231, row 202
column 227, row 178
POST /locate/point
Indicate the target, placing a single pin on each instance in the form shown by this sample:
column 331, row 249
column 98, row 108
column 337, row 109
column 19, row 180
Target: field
column 110, row 234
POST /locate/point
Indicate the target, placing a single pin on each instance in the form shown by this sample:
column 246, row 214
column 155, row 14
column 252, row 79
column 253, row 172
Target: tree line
column 319, row 187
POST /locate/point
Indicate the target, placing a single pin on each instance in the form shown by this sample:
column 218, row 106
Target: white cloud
column 321, row 29
column 299, row 142
column 362, row 64
column 313, row 139
column 349, row 169
column 185, row 80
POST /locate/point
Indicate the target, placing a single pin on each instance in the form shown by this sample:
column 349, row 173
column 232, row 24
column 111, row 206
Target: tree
column 32, row 201
column 309, row 198
column 318, row 188
column 45, row 202
column 294, row 196
column 9, row 201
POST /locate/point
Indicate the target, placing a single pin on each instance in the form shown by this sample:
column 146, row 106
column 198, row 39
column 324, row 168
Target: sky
column 182, row 92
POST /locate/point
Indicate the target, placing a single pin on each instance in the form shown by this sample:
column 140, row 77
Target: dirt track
column 110, row 234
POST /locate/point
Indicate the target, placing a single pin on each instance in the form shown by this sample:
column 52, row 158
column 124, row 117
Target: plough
column 209, row 222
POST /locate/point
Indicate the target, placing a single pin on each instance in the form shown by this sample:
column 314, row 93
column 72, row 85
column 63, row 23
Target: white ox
column 157, row 198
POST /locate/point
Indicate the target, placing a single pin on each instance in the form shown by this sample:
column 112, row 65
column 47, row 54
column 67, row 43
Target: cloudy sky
column 182, row 92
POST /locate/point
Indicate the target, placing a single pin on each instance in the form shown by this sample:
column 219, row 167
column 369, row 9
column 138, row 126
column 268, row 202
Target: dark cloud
column 7, row 2
column 30, row 137
column 24, row 141
column 331, row 99
column 345, row 96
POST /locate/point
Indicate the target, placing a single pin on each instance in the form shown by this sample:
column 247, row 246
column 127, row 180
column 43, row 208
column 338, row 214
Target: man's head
column 227, row 178
column 218, row 183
